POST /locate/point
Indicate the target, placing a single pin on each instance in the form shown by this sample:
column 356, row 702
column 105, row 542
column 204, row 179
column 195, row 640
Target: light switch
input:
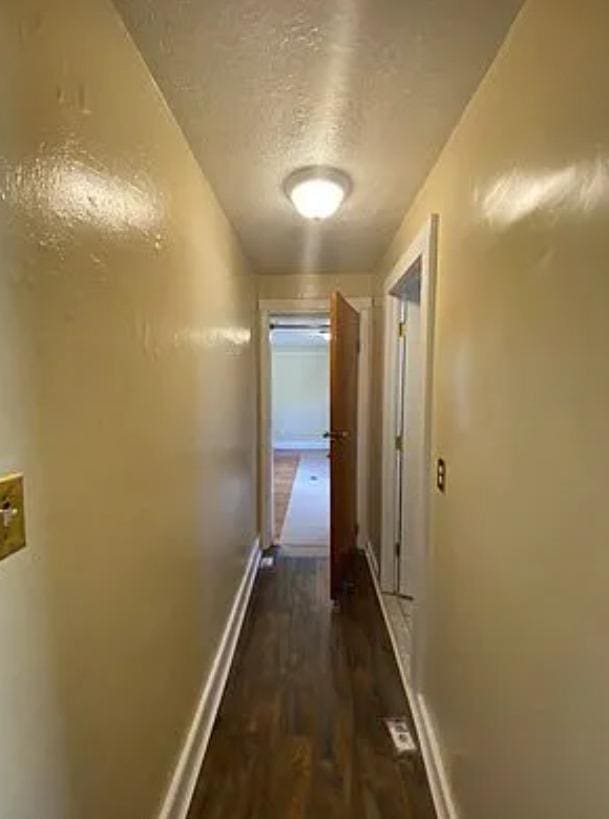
column 12, row 518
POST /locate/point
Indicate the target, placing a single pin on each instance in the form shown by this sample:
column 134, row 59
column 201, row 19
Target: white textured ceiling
column 261, row 87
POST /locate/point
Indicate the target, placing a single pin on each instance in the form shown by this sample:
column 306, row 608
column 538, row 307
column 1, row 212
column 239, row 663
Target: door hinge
column 356, row 529
column 398, row 443
column 398, row 548
column 402, row 329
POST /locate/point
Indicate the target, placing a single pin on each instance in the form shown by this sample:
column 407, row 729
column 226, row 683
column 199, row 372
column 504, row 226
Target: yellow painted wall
column 127, row 399
column 314, row 286
column 517, row 656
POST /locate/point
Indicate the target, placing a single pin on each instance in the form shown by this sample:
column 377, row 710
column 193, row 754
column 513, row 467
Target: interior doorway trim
column 287, row 307
column 419, row 258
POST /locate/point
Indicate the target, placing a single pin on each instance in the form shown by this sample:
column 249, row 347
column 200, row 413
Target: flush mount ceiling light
column 317, row 192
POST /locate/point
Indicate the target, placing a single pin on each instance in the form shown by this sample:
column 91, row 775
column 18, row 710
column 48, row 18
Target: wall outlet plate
column 12, row 515
column 441, row 475
column 399, row 731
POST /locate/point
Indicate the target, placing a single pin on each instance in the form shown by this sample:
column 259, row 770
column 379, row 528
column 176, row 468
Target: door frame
column 295, row 307
column 420, row 256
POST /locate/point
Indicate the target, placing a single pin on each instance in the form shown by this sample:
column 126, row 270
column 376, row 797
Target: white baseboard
column 430, row 749
column 372, row 561
column 436, row 770
column 182, row 785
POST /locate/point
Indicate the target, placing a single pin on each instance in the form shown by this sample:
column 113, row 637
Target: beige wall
column 518, row 658
column 312, row 286
column 126, row 398
column 300, row 391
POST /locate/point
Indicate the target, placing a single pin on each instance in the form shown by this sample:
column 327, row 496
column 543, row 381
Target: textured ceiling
column 261, row 87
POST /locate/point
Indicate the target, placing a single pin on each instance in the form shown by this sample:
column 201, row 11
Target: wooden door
column 344, row 352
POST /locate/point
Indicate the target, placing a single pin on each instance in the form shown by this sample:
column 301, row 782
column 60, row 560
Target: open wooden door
column 344, row 351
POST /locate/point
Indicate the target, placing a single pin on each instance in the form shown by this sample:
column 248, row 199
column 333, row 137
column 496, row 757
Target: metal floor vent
column 402, row 739
column 267, row 563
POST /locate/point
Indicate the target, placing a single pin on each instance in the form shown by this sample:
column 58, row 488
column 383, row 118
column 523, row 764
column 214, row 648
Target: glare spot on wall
column 108, row 201
column 212, row 337
column 577, row 188
column 58, row 189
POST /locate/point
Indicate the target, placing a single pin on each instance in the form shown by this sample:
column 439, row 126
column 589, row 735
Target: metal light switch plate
column 12, row 515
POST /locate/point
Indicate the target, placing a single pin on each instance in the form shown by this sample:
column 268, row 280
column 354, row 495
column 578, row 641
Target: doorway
column 409, row 304
column 409, row 457
column 300, row 419
column 408, row 460
column 349, row 447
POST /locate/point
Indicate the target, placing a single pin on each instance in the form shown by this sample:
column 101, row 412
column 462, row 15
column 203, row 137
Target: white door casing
column 418, row 260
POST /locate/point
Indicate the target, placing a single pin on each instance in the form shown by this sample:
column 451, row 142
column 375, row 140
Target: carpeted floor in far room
column 302, row 499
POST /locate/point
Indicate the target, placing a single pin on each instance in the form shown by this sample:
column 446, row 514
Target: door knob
column 337, row 435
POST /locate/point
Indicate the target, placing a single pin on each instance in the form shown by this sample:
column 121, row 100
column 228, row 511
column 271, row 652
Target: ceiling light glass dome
column 317, row 192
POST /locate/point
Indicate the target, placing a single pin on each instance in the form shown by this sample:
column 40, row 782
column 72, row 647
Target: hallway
column 299, row 734
column 233, row 230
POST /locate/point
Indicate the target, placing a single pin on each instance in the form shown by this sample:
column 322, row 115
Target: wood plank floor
column 285, row 466
column 299, row 734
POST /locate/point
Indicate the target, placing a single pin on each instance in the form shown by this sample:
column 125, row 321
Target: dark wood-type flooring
column 299, row 734
column 285, row 466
